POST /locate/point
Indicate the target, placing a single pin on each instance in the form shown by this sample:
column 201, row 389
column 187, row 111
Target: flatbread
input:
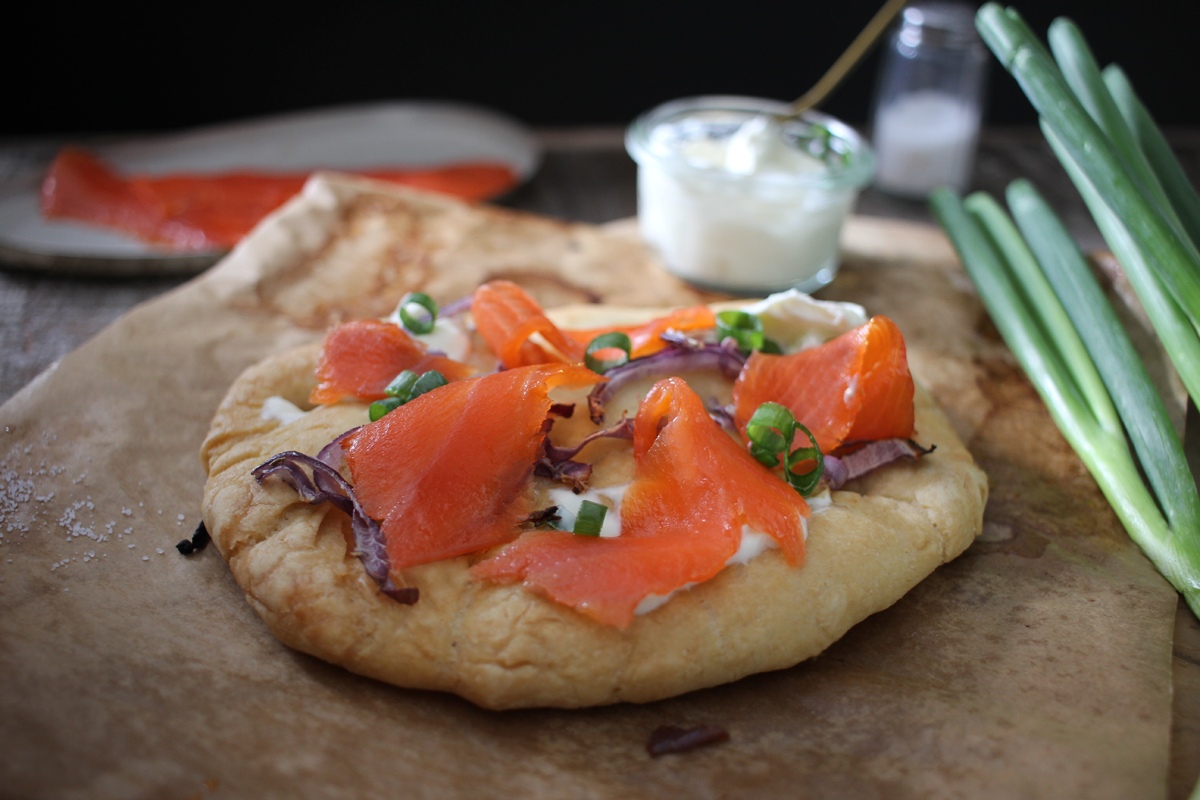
column 502, row 646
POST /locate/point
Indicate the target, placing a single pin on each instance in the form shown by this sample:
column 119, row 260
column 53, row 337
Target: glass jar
column 929, row 101
column 738, row 200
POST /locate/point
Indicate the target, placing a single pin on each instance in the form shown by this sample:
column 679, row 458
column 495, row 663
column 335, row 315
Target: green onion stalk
column 1063, row 362
column 1134, row 196
column 1149, row 214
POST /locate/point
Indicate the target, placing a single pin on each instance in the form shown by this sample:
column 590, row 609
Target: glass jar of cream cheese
column 738, row 199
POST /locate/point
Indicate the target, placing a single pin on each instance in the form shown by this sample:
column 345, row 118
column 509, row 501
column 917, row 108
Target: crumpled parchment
column 1035, row 665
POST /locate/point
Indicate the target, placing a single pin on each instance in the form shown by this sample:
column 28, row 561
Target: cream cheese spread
column 734, row 201
column 281, row 410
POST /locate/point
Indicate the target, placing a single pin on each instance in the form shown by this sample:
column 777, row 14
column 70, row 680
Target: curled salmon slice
column 445, row 474
column 854, row 388
column 694, row 488
column 507, row 317
column 214, row 212
column 359, row 359
column 646, row 338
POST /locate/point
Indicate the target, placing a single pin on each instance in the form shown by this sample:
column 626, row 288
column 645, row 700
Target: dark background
column 554, row 64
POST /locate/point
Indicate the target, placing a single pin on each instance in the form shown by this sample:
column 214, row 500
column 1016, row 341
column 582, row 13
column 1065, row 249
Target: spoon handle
column 847, row 60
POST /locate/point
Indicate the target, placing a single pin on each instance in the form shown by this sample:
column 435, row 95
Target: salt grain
column 158, row 550
column 145, row 558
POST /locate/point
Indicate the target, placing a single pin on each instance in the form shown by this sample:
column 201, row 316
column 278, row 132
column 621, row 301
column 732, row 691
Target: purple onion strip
column 673, row 739
column 459, row 306
column 557, row 462
column 723, row 416
column 683, row 354
column 334, row 452
column 870, row 457
column 328, row 486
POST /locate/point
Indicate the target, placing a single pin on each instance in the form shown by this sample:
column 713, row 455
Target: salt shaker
column 929, row 101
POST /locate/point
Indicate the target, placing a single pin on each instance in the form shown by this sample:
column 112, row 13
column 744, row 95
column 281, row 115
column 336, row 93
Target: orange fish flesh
column 693, row 489
column 359, row 359
column 213, row 212
column 646, row 338
column 854, row 388
column 445, row 474
column 506, row 316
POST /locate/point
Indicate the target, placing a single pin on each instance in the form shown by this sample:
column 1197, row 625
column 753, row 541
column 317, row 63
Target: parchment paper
column 1035, row 665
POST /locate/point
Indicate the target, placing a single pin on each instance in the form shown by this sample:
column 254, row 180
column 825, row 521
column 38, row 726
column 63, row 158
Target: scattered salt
column 145, row 558
column 158, row 550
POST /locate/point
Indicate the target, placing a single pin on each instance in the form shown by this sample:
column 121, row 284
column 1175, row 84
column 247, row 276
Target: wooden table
column 586, row 176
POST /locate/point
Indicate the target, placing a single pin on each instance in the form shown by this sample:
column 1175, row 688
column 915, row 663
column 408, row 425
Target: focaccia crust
column 502, row 646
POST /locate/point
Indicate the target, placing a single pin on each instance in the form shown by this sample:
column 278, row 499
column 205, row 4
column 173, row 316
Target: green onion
column 414, row 324
column 427, row 383
column 381, row 408
column 1038, row 295
column 1055, row 371
column 402, row 385
column 771, row 430
column 606, row 341
column 405, row 387
column 745, row 328
column 590, row 518
column 1171, row 254
column 1171, row 323
column 1079, row 68
column 1170, row 174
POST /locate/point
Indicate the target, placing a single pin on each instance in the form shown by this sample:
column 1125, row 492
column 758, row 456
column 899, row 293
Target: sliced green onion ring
column 805, row 482
column 771, row 430
column 604, row 341
column 590, row 518
column 415, row 324
column 745, row 328
column 427, row 383
column 405, row 387
column 402, row 385
column 381, row 408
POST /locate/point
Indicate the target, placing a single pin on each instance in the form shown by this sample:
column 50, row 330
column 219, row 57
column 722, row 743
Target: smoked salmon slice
column 359, row 359
column 694, row 487
column 213, row 212
column 851, row 389
column 445, row 473
column 506, row 317
column 646, row 338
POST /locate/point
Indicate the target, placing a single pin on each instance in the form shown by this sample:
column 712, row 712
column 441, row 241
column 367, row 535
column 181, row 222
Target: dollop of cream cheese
column 568, row 507
column 754, row 543
column 281, row 410
column 797, row 321
column 756, row 147
column 449, row 336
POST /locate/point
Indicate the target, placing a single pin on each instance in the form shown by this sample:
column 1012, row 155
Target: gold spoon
column 846, row 62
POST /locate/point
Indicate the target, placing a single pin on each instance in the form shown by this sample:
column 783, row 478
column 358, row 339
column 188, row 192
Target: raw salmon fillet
column 214, row 212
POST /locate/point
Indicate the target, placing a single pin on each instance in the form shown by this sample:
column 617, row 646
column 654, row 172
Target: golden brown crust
column 502, row 646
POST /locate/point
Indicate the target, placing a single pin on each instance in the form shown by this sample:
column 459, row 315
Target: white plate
column 351, row 138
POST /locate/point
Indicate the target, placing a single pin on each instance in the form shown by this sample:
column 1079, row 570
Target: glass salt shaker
column 929, row 101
